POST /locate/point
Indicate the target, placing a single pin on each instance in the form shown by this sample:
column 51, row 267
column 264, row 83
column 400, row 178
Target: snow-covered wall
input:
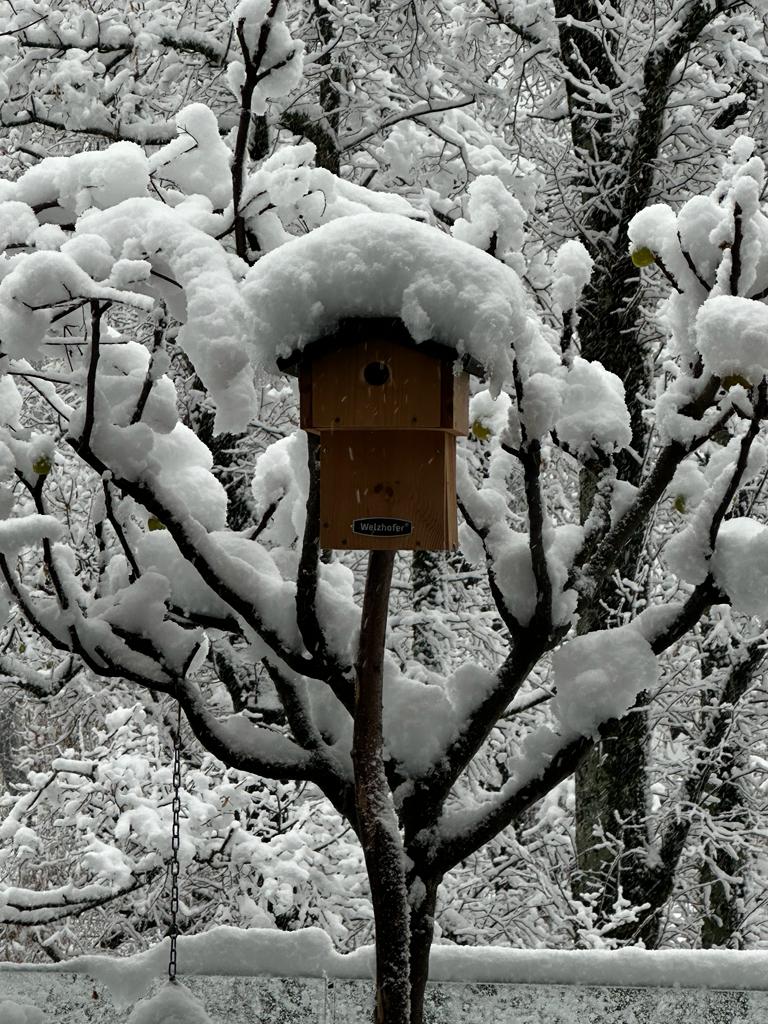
column 67, row 998
column 309, row 953
column 263, row 976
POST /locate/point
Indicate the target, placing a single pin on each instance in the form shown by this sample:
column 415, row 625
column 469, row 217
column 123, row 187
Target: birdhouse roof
column 447, row 295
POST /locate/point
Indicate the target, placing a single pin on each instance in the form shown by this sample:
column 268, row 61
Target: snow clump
column 599, row 675
column 494, row 218
column 740, row 565
column 733, row 337
column 594, row 412
column 571, row 272
column 82, row 181
column 208, row 303
column 197, row 161
column 173, row 1004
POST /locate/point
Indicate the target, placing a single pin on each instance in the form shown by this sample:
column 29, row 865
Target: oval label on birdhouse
column 382, row 526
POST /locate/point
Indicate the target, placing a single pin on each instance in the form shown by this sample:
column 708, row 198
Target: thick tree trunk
column 324, row 133
column 722, row 876
column 423, row 897
column 425, row 583
column 611, row 831
column 611, row 781
column 377, row 823
column 617, row 155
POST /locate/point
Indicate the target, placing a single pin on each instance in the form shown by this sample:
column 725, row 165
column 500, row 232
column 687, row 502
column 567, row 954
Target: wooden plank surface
column 460, row 423
column 390, row 476
column 342, row 399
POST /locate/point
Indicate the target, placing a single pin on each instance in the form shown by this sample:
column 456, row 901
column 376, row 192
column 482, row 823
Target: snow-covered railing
column 269, row 977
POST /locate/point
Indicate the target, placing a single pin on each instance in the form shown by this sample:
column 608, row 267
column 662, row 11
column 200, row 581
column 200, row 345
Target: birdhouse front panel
column 377, row 381
column 388, row 490
column 376, row 384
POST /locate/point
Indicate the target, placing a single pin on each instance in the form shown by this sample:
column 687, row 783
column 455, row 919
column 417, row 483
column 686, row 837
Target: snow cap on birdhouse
column 445, row 293
column 382, row 318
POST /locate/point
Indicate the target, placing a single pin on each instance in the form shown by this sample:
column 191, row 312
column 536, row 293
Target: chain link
column 175, row 840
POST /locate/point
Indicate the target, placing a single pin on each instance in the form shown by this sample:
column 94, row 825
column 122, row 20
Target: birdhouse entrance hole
column 376, row 374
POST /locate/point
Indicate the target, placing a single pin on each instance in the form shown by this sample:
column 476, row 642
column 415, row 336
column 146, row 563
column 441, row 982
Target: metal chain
column 175, row 838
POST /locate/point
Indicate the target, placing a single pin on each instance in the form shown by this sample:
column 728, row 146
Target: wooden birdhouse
column 388, row 412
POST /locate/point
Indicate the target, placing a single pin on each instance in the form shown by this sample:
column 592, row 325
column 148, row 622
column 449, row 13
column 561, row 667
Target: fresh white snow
column 172, row 1004
column 733, row 337
column 380, row 265
column 19, row 1013
column 309, row 953
column 571, row 272
column 599, row 675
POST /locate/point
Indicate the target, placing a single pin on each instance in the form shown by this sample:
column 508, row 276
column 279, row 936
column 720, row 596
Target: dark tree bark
column 425, row 584
column 423, row 898
column 721, row 874
column 376, row 821
column 611, row 830
column 11, row 775
column 323, row 131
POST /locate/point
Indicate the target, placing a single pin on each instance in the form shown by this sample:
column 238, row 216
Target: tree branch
column 338, row 676
column 465, row 835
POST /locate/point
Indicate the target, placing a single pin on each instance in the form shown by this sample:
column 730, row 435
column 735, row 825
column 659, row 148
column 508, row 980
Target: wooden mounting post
column 377, row 823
